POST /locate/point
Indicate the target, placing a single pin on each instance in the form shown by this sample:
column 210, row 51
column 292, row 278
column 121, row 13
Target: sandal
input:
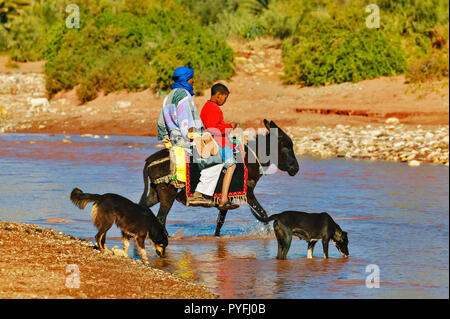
column 228, row 205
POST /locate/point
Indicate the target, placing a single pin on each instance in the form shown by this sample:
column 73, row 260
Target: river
column 397, row 219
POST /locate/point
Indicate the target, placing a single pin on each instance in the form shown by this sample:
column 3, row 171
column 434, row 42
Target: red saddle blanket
column 238, row 187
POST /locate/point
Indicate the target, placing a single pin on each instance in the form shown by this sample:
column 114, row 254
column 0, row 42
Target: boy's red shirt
column 212, row 117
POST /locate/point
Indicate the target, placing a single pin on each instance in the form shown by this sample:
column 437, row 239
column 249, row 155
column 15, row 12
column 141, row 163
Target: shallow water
column 396, row 218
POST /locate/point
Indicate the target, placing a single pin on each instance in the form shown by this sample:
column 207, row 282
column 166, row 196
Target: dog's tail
column 262, row 218
column 81, row 199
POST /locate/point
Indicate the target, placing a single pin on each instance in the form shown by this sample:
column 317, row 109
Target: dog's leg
column 278, row 233
column 101, row 241
column 126, row 241
column 141, row 248
column 325, row 243
column 311, row 245
column 284, row 238
column 286, row 247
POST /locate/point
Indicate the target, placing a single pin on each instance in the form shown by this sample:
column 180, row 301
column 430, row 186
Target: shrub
column 28, row 29
column 10, row 9
column 335, row 47
column 125, row 49
column 25, row 38
column 434, row 66
column 431, row 63
column 209, row 11
column 3, row 39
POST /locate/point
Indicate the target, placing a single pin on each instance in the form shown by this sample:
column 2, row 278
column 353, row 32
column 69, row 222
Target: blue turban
column 181, row 76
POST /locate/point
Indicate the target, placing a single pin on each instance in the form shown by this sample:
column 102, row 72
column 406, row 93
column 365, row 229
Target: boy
column 212, row 118
column 178, row 119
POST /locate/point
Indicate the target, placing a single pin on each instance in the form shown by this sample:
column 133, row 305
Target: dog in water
column 132, row 219
column 309, row 227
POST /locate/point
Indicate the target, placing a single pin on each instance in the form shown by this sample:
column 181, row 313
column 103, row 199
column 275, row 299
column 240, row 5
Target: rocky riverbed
column 391, row 142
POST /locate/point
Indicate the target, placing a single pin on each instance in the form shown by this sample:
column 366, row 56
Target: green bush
column 10, row 9
column 125, row 49
column 335, row 46
column 434, row 66
column 3, row 39
column 209, row 11
column 27, row 31
column 26, row 38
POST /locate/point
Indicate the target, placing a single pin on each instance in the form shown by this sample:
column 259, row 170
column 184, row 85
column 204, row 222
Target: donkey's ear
column 267, row 124
column 273, row 125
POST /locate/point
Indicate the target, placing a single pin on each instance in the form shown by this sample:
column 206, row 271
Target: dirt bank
column 256, row 93
column 43, row 263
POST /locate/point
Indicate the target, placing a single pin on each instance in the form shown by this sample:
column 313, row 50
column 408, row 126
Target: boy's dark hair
column 219, row 88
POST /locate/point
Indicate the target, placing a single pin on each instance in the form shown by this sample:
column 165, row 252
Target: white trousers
column 208, row 179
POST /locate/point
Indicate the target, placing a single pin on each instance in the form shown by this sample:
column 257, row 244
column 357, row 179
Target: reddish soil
column 256, row 93
column 34, row 264
column 19, row 67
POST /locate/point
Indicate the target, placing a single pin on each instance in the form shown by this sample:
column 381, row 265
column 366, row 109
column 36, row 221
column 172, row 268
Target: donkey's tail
column 262, row 218
column 81, row 199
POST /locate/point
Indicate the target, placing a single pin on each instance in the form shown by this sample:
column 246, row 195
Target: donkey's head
column 286, row 157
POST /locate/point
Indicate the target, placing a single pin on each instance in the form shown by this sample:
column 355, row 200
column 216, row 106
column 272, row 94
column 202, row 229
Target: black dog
column 309, row 227
column 132, row 219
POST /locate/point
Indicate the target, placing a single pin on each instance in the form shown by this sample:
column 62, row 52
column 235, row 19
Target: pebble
column 392, row 120
column 389, row 142
column 413, row 163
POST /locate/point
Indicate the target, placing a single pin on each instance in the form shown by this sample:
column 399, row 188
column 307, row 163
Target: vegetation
column 10, row 9
column 121, row 46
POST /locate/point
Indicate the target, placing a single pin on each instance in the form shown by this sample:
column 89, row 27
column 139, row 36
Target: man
column 178, row 124
column 212, row 118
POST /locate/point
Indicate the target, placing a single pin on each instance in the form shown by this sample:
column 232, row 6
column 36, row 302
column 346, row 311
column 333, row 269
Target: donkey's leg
column 220, row 221
column 152, row 198
column 167, row 194
column 253, row 202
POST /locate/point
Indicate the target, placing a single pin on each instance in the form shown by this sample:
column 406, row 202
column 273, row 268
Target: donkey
column 166, row 193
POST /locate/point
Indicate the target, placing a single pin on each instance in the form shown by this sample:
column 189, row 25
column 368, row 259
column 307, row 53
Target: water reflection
column 386, row 208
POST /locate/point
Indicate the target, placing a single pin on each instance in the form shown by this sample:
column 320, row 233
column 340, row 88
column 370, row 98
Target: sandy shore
column 42, row 263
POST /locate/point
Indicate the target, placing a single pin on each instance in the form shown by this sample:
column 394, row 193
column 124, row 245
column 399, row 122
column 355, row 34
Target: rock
column 122, row 104
column 392, row 121
column 414, row 163
column 38, row 102
column 119, row 252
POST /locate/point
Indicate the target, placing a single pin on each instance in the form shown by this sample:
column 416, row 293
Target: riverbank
column 391, row 142
column 317, row 118
column 42, row 263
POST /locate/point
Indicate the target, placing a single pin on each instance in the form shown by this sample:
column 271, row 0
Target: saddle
column 184, row 172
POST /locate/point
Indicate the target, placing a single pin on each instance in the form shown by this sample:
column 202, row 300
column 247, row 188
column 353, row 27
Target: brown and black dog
column 132, row 219
column 306, row 226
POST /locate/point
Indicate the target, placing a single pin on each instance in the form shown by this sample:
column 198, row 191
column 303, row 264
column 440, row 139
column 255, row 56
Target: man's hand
column 167, row 143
